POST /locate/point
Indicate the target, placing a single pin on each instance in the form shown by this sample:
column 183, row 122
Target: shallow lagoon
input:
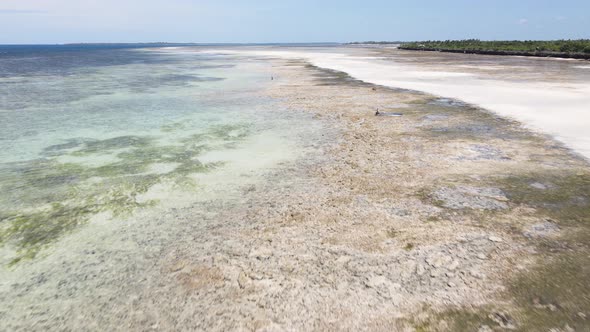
column 88, row 136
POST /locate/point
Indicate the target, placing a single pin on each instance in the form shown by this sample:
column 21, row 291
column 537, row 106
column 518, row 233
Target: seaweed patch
column 46, row 198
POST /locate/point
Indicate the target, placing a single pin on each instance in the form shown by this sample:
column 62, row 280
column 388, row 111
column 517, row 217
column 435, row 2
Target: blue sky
column 65, row 21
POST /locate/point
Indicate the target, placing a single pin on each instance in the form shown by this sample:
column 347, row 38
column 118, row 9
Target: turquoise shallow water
column 108, row 132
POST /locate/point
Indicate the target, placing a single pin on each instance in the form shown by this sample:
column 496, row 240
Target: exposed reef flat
column 448, row 218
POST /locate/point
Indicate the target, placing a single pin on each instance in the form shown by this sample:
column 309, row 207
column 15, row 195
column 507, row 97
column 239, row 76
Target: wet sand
column 447, row 218
column 551, row 96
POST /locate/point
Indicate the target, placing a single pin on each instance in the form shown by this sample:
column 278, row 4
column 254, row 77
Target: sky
column 267, row 21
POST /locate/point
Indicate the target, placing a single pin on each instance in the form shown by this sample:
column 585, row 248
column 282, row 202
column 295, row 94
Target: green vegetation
column 531, row 46
column 46, row 198
column 565, row 198
column 555, row 292
column 456, row 319
column 329, row 77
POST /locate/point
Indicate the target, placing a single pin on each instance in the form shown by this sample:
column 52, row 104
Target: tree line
column 558, row 46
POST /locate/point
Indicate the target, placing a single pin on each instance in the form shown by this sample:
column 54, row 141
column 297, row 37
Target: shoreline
column 555, row 107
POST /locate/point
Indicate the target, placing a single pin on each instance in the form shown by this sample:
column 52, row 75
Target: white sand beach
column 542, row 99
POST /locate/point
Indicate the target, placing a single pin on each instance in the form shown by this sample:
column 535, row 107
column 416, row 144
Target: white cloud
column 523, row 21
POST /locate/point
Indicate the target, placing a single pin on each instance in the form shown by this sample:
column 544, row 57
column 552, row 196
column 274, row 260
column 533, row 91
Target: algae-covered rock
column 466, row 197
